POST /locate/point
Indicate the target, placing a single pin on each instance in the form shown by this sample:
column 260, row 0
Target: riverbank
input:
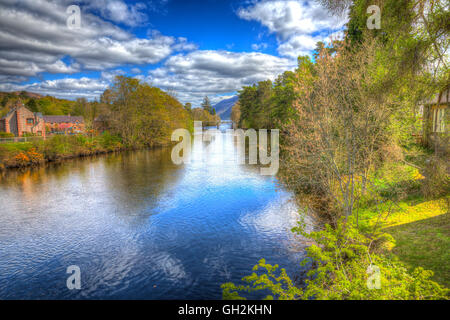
column 57, row 148
column 418, row 226
column 414, row 227
column 398, row 233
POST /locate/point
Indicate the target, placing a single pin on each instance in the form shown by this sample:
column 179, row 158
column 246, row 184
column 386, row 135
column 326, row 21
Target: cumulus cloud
column 288, row 18
column 260, row 46
column 297, row 24
column 136, row 70
column 120, row 12
column 34, row 38
column 208, row 72
column 67, row 88
column 299, row 45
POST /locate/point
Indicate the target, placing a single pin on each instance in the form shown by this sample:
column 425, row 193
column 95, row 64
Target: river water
column 140, row 227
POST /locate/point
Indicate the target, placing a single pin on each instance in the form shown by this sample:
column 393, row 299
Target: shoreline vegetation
column 349, row 121
column 134, row 115
column 57, row 148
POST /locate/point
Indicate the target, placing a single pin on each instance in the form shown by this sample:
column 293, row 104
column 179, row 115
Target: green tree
column 206, row 105
column 32, row 105
column 141, row 114
column 188, row 107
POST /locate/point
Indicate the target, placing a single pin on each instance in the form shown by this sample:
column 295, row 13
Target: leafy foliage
column 199, row 114
column 56, row 148
column 344, row 260
column 141, row 114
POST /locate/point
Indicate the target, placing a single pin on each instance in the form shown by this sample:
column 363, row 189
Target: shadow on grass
column 425, row 243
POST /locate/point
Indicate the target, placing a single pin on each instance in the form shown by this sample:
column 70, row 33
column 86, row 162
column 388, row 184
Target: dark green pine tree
column 206, row 105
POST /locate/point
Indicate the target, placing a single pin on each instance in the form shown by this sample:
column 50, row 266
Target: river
column 140, row 227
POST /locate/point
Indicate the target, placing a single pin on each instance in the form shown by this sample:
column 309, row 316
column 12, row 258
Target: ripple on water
column 140, row 227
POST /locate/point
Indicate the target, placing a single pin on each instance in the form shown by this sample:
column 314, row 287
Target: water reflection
column 141, row 227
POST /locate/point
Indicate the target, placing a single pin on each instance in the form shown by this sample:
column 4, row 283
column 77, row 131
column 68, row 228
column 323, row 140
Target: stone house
column 436, row 120
column 21, row 122
column 64, row 124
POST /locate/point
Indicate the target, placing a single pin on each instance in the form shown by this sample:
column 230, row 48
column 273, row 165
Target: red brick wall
column 22, row 114
column 19, row 121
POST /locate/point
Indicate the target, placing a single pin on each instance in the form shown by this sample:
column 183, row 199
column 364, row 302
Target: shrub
column 6, row 135
column 437, row 178
column 344, row 264
column 109, row 141
column 35, row 157
column 21, row 159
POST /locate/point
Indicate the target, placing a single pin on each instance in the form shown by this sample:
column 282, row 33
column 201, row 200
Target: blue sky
column 191, row 48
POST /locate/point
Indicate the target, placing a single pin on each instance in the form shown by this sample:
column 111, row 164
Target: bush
column 109, row 141
column 345, row 265
column 6, row 135
column 437, row 178
column 56, row 147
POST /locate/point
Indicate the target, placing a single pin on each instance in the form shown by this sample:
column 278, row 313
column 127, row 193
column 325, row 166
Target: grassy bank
column 419, row 226
column 24, row 154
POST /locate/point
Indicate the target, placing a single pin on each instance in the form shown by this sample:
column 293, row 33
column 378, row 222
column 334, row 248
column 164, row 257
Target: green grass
column 421, row 233
column 16, row 146
column 23, row 154
column 425, row 243
column 420, row 227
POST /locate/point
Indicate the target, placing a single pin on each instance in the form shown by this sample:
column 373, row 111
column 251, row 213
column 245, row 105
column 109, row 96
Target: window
column 439, row 120
column 30, row 121
column 39, row 133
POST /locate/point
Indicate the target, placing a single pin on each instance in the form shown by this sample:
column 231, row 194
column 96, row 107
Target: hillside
column 47, row 105
column 223, row 108
column 21, row 94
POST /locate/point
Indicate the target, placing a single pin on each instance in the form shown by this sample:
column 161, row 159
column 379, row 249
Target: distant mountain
column 223, row 108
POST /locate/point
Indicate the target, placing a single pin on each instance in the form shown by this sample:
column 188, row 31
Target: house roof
column 443, row 98
column 63, row 119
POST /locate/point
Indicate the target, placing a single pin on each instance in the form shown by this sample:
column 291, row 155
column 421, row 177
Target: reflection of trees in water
column 127, row 183
column 40, row 176
column 137, row 179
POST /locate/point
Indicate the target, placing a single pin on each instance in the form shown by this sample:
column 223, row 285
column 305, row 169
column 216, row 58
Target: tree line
column 344, row 114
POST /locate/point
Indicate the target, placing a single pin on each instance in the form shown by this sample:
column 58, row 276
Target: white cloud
column 303, row 45
column 120, row 12
column 298, row 46
column 34, row 38
column 208, row 72
column 260, row 46
column 67, row 88
column 288, row 18
column 298, row 25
